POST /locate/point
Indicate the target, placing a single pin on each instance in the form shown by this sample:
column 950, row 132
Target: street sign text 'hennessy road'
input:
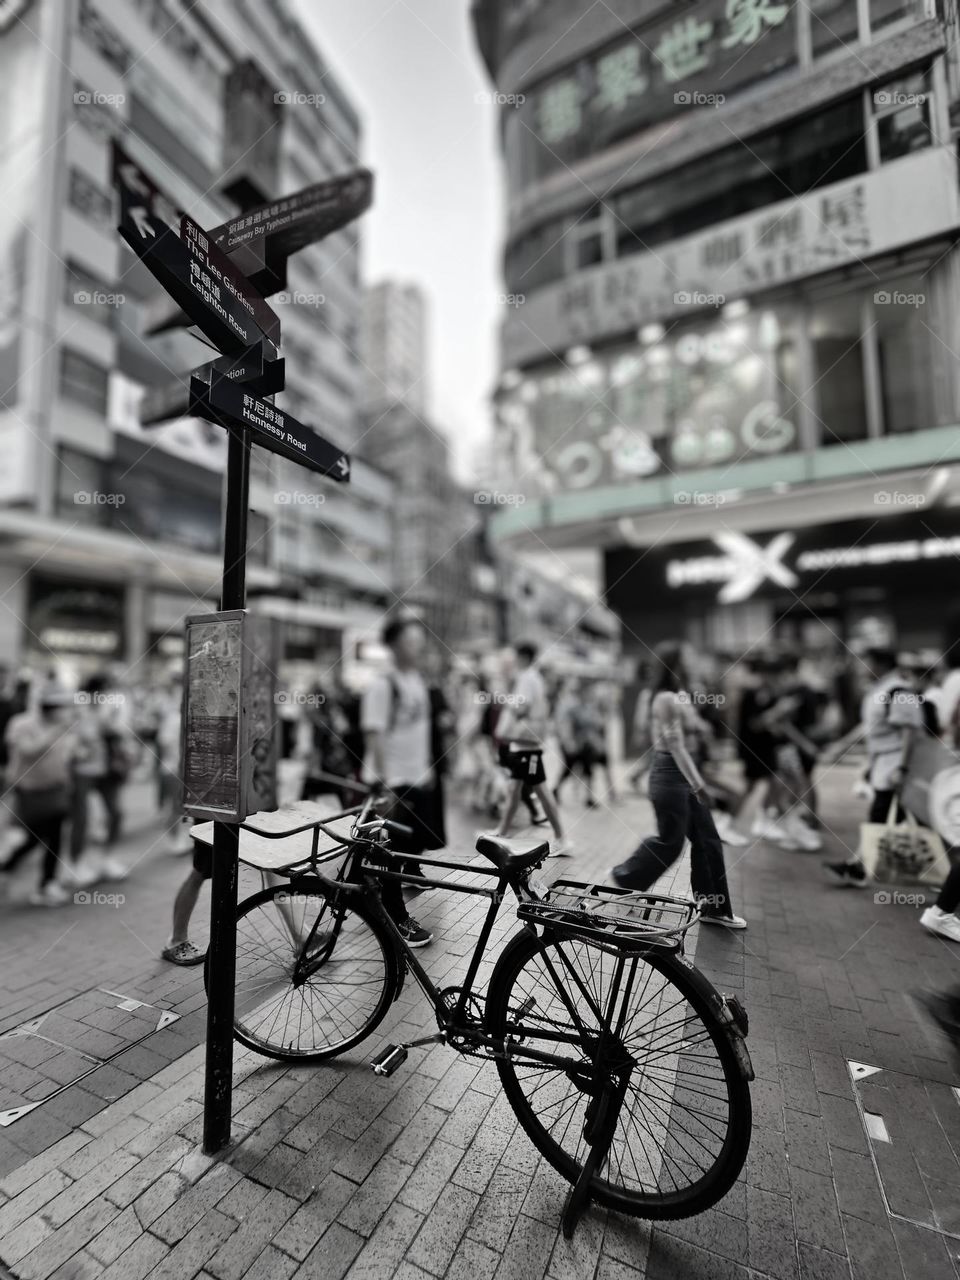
column 208, row 275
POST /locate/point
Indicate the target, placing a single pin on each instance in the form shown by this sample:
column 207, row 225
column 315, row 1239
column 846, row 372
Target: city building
column 110, row 533
column 730, row 369
column 394, row 347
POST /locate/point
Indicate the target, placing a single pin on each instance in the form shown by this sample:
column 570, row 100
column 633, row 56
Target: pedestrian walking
column 397, row 722
column 521, row 731
column 679, row 798
column 41, row 745
column 106, row 755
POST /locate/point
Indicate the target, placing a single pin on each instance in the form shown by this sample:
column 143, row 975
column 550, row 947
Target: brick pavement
column 336, row 1172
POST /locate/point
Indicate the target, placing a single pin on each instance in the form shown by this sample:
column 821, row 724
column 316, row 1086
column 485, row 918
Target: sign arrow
column 131, row 176
column 231, row 406
column 141, row 220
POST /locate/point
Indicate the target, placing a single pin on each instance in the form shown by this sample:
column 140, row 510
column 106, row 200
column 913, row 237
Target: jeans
column 949, row 899
column 47, row 832
column 109, row 789
column 679, row 817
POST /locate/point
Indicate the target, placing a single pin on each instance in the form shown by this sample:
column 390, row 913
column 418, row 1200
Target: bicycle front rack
column 620, row 919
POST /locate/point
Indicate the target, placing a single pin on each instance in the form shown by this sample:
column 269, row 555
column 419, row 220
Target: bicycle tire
column 366, row 937
column 524, row 950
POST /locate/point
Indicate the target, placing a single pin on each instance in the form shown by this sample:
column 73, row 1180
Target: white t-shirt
column 887, row 711
column 525, row 715
column 397, row 705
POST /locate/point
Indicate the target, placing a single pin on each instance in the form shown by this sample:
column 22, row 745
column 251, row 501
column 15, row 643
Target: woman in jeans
column 678, row 794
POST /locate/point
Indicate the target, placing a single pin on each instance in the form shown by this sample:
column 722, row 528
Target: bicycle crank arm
column 395, row 1055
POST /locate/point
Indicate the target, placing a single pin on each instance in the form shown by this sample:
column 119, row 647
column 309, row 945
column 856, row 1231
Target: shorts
column 203, row 859
column 524, row 764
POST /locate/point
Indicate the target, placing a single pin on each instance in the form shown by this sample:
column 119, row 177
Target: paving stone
column 332, row 1256
column 821, row 1264
column 437, row 1240
column 251, row 1236
column 815, row 1210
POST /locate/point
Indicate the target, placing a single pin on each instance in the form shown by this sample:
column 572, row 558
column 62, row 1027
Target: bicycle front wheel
column 305, row 992
column 683, row 1130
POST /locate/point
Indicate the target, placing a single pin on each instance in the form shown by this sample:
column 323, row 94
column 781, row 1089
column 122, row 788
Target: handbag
column 902, row 852
column 42, row 804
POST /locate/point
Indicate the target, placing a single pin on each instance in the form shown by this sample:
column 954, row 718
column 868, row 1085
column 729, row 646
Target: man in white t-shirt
column 397, row 724
column 521, row 730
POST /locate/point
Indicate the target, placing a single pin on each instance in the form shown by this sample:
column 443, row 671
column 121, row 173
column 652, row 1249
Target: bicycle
column 627, row 1070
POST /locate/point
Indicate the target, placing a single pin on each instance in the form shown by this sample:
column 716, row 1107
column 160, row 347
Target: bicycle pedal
column 388, row 1059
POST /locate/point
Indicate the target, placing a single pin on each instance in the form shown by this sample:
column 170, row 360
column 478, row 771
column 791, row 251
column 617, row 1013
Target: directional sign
column 300, row 219
column 264, row 376
column 188, row 275
column 276, row 430
column 232, row 279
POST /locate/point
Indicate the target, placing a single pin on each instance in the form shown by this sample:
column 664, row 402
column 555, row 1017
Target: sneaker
column 413, row 933
column 183, row 953
column 946, row 924
column 113, row 869
column 50, row 895
column 728, row 833
column 81, row 875
column 945, row 1011
column 805, row 837
column 613, row 873
column 725, row 921
column 560, row 849
column 847, row 875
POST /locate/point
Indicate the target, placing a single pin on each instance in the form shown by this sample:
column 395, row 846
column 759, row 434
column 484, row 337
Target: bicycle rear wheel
column 315, row 1007
column 683, row 1131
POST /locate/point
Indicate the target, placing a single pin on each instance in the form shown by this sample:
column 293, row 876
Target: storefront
column 73, row 626
column 828, row 587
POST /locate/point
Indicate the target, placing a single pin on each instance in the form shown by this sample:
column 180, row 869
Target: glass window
column 90, row 295
column 837, row 395
column 536, row 258
column 83, row 381
column 79, row 477
column 90, row 200
column 901, row 109
column 833, row 24
column 883, row 13
column 904, row 350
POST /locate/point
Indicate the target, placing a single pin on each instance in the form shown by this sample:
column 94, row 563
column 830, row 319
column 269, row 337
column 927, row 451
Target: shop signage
column 908, row 200
column 738, row 564
column 671, row 65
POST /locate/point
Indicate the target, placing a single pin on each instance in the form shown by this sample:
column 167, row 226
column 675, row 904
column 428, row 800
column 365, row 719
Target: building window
column 839, row 399
column 103, row 38
column 90, row 295
column 83, row 381
column 884, row 13
column 90, row 200
column 80, row 478
column 901, row 111
column 906, row 355
column 833, row 25
column 95, row 116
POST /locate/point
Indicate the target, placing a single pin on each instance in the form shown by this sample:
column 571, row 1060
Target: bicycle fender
column 731, row 1015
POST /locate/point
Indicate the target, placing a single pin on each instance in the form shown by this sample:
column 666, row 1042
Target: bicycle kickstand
column 600, row 1124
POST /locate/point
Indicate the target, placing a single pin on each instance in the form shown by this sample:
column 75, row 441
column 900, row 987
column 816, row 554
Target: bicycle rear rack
column 619, row 919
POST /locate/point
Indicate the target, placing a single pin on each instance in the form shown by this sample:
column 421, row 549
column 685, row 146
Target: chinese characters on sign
column 721, row 46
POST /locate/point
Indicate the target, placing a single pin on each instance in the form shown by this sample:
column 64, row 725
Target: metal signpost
column 202, row 271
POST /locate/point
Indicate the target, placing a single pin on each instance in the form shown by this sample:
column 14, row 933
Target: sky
column 414, row 74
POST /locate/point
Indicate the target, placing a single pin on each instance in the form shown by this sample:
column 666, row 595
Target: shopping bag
column 902, row 852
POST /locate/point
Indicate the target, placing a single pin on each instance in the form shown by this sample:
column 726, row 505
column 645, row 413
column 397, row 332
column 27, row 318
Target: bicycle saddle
column 507, row 856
